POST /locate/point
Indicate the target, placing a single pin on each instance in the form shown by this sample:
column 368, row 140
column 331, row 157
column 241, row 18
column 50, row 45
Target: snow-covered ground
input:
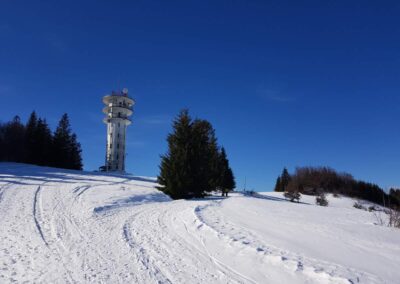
column 59, row 226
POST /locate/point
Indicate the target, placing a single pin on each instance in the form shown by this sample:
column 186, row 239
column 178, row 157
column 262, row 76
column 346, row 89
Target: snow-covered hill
column 59, row 226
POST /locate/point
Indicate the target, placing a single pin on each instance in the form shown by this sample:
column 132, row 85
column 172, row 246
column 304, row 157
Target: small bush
column 394, row 218
column 292, row 195
column 321, row 200
column 249, row 192
column 358, row 206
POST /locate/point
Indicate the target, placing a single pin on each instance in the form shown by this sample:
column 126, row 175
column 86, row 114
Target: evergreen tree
column 61, row 142
column 227, row 179
column 43, row 143
column 285, row 179
column 31, row 145
column 66, row 150
column 215, row 165
column 75, row 154
column 192, row 165
column 2, row 141
column 278, row 185
column 204, row 154
column 14, row 133
column 176, row 169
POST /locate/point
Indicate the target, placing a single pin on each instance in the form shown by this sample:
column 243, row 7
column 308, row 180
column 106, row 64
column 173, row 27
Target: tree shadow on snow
column 275, row 198
column 132, row 201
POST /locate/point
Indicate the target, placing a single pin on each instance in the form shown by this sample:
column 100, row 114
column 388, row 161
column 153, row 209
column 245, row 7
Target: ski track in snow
column 35, row 214
column 77, row 227
column 243, row 237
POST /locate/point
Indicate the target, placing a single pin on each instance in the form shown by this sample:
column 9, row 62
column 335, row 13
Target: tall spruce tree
column 14, row 134
column 66, row 150
column 227, row 180
column 215, row 165
column 285, row 179
column 2, row 141
column 75, row 161
column 191, row 167
column 176, row 169
column 203, row 152
column 43, row 143
column 31, row 147
column 61, row 142
column 278, row 185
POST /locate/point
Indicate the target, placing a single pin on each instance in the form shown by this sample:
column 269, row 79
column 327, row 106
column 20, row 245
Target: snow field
column 60, row 226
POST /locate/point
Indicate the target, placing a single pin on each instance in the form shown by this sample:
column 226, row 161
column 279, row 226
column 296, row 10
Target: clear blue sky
column 284, row 83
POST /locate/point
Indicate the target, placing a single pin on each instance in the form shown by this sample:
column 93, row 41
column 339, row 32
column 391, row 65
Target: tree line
column 34, row 143
column 320, row 180
column 194, row 164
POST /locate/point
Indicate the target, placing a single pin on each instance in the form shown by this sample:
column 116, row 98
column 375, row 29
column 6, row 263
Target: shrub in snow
column 292, row 195
column 394, row 218
column 358, row 206
column 321, row 200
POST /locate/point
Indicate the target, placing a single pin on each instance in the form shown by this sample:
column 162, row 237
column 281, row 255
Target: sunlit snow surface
column 60, row 226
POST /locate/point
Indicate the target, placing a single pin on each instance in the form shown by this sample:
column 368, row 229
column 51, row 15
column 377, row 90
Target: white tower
column 118, row 109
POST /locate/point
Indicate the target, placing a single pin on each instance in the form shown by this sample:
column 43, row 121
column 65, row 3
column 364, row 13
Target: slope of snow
column 60, row 226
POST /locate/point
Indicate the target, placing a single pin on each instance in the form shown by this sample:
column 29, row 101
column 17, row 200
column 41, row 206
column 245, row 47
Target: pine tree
column 66, row 149
column 176, row 169
column 285, row 179
column 227, row 179
column 75, row 154
column 14, row 134
column 203, row 152
column 215, row 165
column 43, row 143
column 2, row 141
column 31, row 147
column 278, row 185
column 61, row 143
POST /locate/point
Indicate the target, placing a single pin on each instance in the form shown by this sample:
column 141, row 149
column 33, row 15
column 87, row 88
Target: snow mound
column 60, row 226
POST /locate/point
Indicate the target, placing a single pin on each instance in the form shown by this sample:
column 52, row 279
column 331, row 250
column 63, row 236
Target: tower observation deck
column 118, row 108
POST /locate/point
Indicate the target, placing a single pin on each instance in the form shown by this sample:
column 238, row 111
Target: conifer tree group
column 194, row 164
column 282, row 181
column 34, row 143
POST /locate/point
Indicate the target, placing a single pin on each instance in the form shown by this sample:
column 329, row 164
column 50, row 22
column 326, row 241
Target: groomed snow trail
column 61, row 226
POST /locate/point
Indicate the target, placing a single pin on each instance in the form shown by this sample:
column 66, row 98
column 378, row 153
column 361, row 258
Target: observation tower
column 118, row 109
